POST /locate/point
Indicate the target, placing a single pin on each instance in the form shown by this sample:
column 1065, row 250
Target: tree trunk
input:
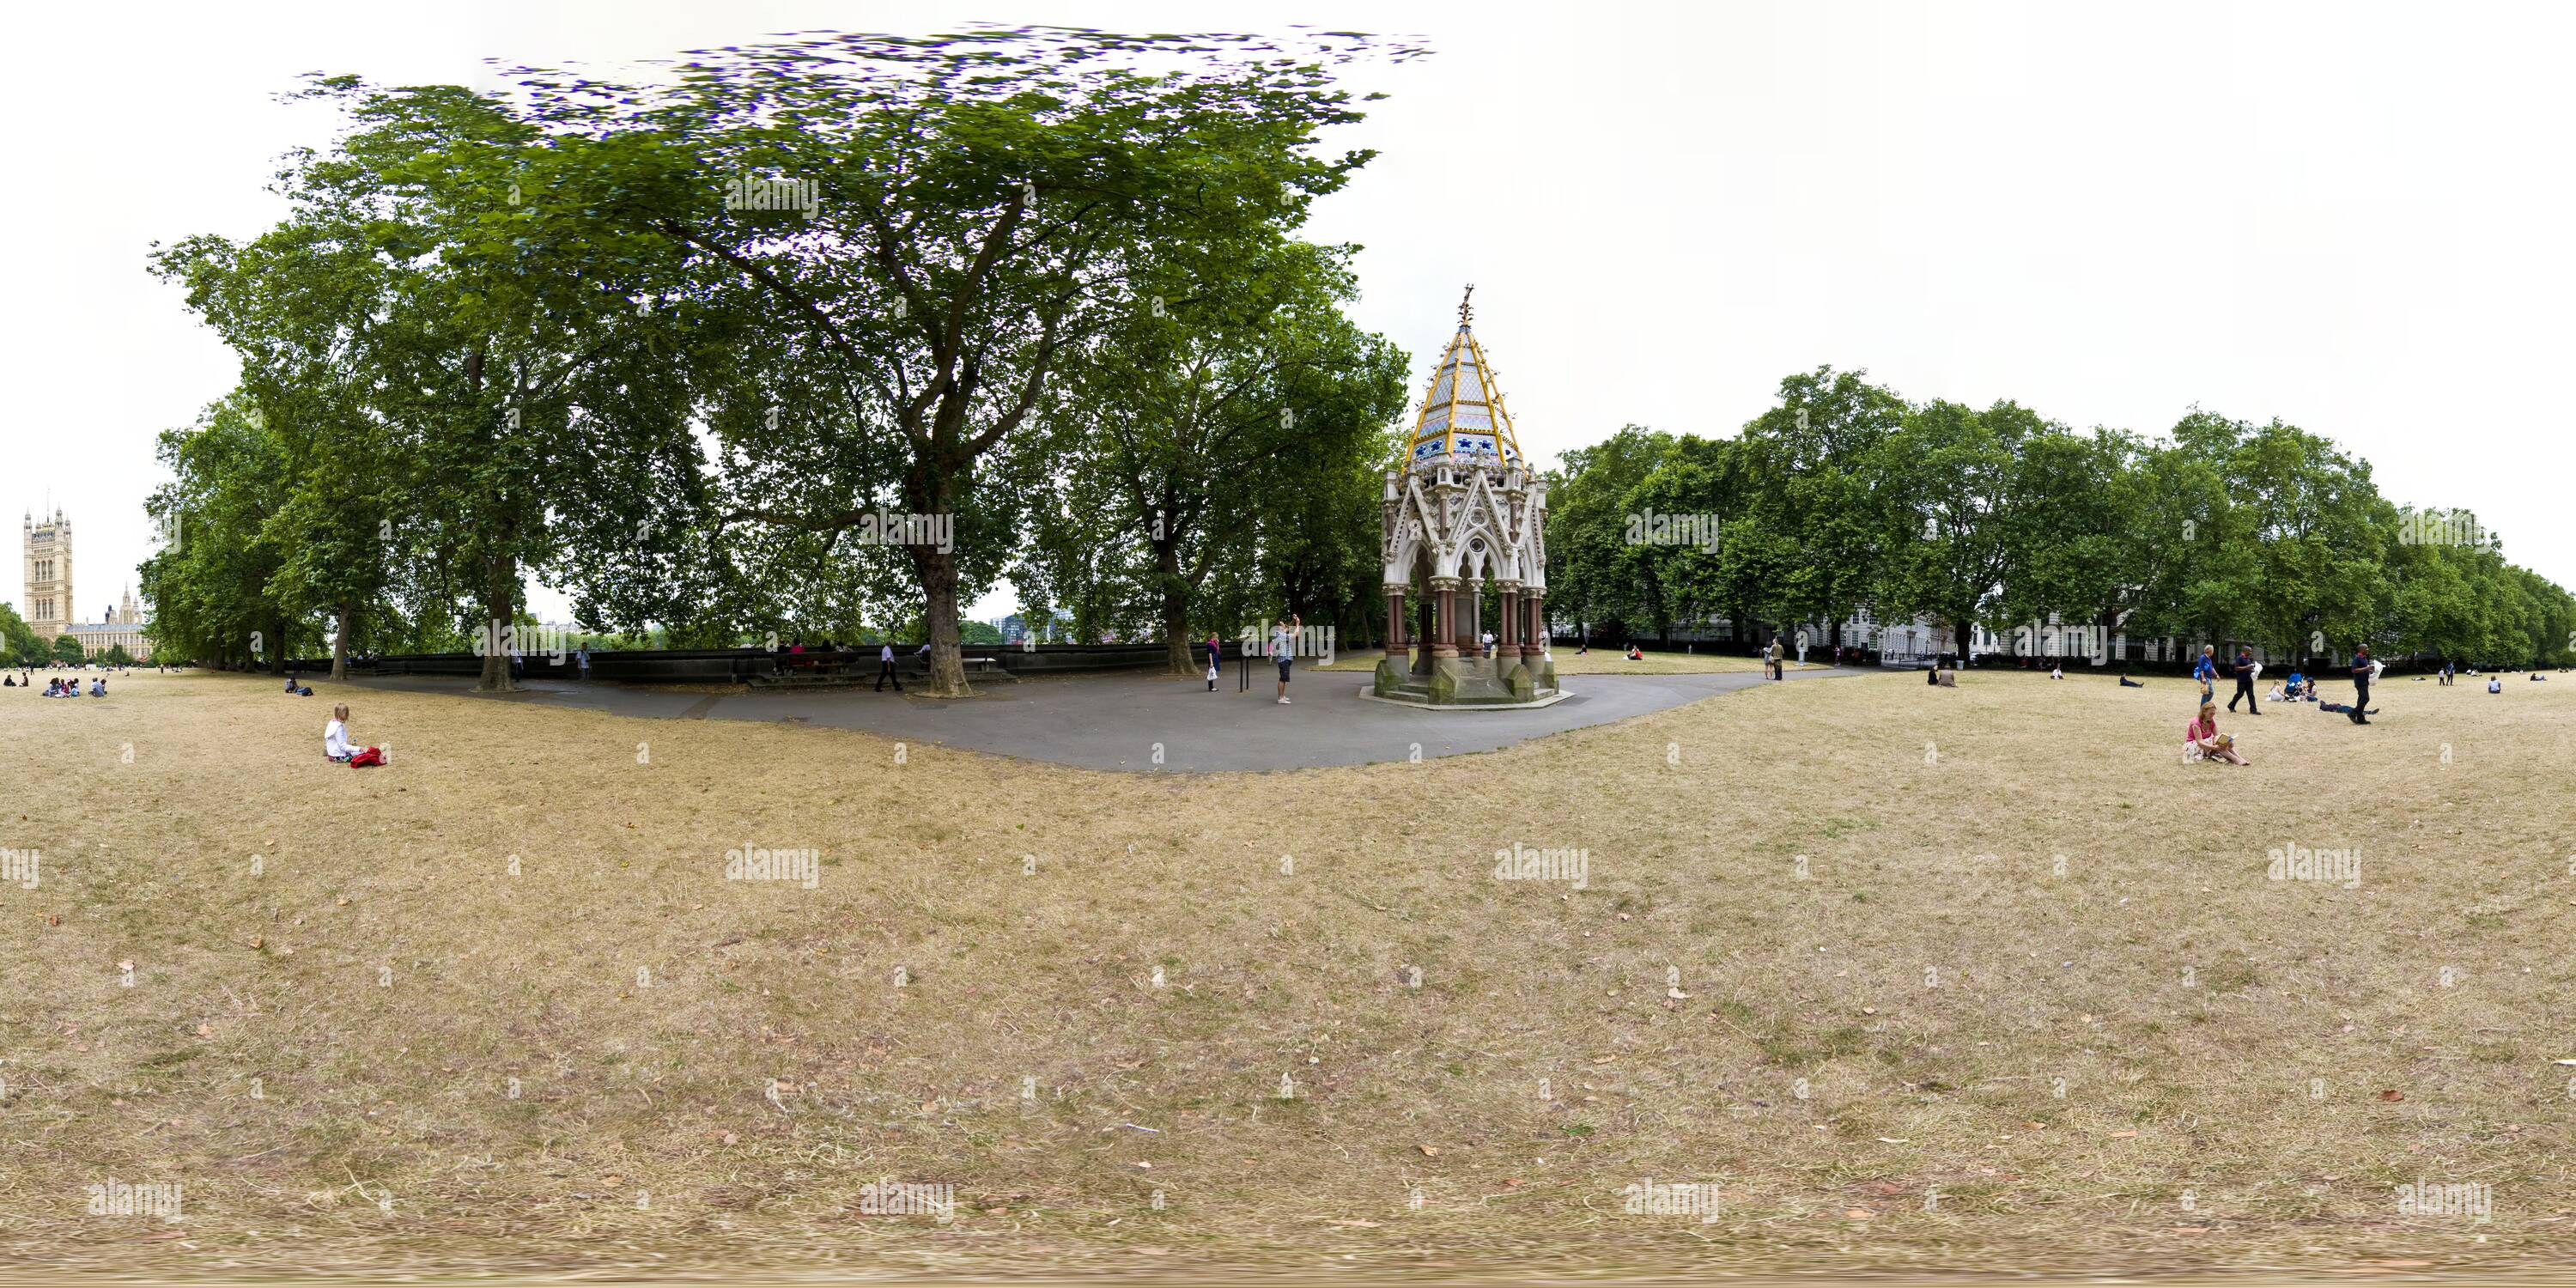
column 500, row 614
column 938, row 570
column 340, row 644
column 1176, row 610
column 279, row 660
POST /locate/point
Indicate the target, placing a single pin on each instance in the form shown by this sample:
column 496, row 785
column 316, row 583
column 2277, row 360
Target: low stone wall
column 722, row 666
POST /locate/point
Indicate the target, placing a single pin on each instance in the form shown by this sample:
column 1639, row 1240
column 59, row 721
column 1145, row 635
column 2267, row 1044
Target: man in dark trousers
column 2361, row 669
column 2244, row 669
column 885, row 668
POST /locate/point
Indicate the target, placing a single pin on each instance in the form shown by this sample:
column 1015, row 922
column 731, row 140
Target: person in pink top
column 2201, row 739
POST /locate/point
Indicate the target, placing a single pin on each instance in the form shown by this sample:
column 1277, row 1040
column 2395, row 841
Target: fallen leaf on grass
column 2392, row 1093
column 2122, row 1135
column 1428, row 1151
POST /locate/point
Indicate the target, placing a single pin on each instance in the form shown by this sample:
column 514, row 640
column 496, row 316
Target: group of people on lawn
column 67, row 688
column 2203, row 742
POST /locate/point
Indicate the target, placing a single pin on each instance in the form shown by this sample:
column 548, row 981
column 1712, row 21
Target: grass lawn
column 1979, row 979
column 1602, row 661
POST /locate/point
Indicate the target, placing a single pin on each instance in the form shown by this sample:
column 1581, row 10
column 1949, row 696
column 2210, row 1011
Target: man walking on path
column 1774, row 656
column 885, row 668
column 2244, row 669
column 1283, row 649
column 2362, row 670
column 582, row 656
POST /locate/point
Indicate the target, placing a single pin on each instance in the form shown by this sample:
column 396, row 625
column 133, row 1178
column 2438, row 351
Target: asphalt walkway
column 1125, row 720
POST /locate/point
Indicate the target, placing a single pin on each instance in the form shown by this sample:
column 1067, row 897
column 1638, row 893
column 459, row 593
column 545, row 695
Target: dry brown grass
column 1693, row 820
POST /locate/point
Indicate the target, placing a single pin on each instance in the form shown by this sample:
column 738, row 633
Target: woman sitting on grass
column 2202, row 741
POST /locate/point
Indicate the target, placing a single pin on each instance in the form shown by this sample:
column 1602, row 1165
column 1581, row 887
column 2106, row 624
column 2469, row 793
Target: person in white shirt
column 1283, row 649
column 335, row 739
column 885, row 668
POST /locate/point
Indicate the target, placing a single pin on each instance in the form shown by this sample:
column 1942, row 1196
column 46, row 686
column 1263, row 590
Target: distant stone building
column 47, row 576
column 124, row 625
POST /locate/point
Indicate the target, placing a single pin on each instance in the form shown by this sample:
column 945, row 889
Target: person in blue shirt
column 2206, row 671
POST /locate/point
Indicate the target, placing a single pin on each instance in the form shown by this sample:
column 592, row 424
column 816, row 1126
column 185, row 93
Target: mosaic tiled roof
column 1463, row 413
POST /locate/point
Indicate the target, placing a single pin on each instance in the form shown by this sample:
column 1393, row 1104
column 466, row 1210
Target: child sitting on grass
column 335, row 742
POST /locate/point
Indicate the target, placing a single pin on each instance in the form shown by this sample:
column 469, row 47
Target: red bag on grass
column 362, row 759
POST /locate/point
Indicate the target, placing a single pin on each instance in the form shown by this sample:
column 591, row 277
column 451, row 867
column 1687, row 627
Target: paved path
column 1116, row 721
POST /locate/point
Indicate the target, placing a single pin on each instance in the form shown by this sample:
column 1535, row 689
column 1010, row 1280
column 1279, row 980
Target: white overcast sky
column 2351, row 217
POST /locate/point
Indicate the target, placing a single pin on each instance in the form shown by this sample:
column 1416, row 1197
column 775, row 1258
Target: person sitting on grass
column 336, row 745
column 2127, row 683
column 98, row 687
column 1636, row 654
column 2201, row 740
column 2495, row 684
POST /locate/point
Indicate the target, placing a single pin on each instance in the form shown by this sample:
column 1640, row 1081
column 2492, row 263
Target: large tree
column 1207, row 410
column 970, row 213
column 529, row 348
column 1942, row 488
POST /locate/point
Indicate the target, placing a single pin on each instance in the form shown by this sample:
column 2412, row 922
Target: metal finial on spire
column 1466, row 303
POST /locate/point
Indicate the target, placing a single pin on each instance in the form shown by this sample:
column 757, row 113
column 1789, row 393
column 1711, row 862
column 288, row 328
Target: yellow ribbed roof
column 1463, row 413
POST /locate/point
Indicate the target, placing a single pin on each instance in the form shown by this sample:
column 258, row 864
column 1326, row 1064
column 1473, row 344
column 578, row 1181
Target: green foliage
column 1846, row 496
column 485, row 339
column 19, row 643
column 68, row 651
column 1228, row 431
